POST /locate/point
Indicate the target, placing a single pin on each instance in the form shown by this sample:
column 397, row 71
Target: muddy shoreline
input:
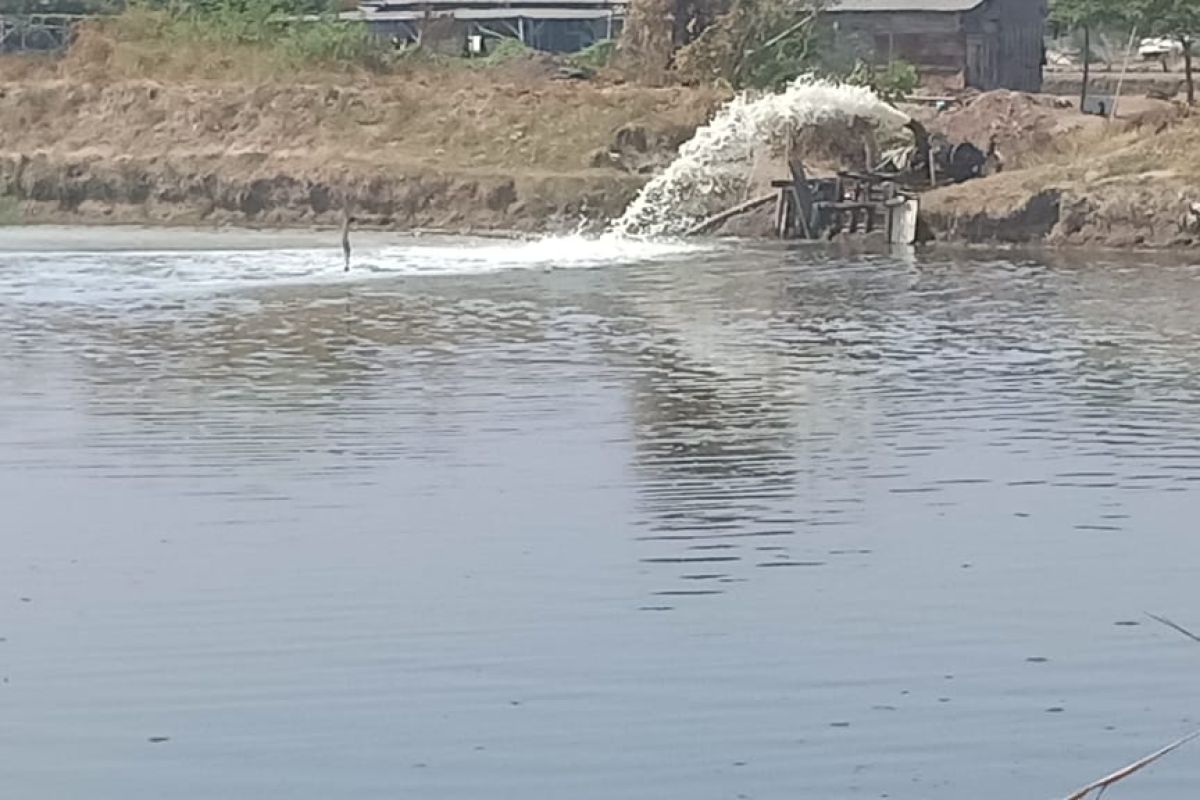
column 258, row 193
column 203, row 194
column 515, row 157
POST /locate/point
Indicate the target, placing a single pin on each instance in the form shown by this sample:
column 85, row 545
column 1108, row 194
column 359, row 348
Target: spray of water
column 713, row 167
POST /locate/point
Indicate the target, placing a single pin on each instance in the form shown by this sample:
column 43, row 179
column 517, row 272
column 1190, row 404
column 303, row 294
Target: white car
column 1160, row 47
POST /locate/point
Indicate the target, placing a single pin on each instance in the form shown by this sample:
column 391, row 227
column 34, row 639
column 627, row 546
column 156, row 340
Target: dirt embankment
column 1072, row 179
column 511, row 147
column 440, row 147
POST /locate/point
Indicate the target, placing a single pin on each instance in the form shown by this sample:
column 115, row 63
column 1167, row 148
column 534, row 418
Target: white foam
column 713, row 167
column 112, row 274
column 552, row 252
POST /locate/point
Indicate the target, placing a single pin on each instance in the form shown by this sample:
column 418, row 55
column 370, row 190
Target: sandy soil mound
column 1019, row 123
column 1029, row 127
column 1130, row 188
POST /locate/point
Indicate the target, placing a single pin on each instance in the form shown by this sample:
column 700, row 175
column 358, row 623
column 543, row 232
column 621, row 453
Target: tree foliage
column 273, row 26
column 756, row 43
column 1089, row 13
column 893, row 83
column 1177, row 19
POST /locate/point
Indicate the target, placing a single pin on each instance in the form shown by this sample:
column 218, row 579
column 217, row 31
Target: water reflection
column 416, row 520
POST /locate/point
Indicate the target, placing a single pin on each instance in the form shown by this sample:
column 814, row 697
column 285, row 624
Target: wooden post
column 1188, row 74
column 1112, row 112
column 782, row 212
column 902, row 215
column 803, row 194
column 1087, row 48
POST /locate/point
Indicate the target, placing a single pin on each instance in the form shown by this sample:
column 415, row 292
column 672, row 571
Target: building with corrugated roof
column 982, row 44
column 550, row 25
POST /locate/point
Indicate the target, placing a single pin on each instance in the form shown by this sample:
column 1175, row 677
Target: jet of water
column 715, row 164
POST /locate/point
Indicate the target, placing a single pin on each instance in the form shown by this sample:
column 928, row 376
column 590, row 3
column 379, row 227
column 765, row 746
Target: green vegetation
column 251, row 38
column 1174, row 19
column 595, row 56
column 503, row 51
column 1087, row 16
column 766, row 44
column 321, row 36
column 266, row 39
column 893, row 82
column 760, row 44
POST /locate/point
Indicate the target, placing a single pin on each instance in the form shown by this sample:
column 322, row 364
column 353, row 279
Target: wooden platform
column 851, row 203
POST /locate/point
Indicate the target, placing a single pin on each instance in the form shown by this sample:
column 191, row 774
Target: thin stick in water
column 1125, row 772
column 715, row 220
column 1174, row 626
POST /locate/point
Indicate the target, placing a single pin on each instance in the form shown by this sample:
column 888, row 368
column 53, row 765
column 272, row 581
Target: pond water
column 591, row 520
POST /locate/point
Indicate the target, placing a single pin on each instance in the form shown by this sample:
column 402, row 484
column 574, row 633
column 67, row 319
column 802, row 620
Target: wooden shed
column 984, row 44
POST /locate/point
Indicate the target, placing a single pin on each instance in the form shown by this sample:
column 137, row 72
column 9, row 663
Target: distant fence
column 36, row 32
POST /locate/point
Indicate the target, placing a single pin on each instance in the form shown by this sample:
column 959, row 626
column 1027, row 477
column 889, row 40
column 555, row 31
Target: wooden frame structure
column 851, row 203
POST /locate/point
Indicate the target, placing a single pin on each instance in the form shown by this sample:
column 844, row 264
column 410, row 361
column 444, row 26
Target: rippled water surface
column 591, row 520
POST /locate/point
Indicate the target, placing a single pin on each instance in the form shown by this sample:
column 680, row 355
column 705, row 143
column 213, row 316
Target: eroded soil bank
column 451, row 150
column 518, row 150
column 1132, row 182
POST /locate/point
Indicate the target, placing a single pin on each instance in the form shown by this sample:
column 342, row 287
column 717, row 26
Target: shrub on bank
column 153, row 38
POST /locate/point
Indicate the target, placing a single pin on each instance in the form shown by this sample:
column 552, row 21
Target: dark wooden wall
column 1022, row 43
column 996, row 45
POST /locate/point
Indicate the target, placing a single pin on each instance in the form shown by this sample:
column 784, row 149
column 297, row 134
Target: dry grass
column 432, row 119
column 1117, row 159
column 130, row 87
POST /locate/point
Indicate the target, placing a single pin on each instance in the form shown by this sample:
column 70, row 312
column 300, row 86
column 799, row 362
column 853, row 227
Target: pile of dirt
column 1131, row 188
column 1029, row 128
column 1018, row 123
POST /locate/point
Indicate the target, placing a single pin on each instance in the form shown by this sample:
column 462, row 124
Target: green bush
column 330, row 40
column 595, row 56
column 297, row 33
column 504, row 50
column 893, row 83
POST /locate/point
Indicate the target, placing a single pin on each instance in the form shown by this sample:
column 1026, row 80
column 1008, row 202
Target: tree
column 762, row 44
column 655, row 29
column 742, row 43
column 1086, row 16
column 1179, row 20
